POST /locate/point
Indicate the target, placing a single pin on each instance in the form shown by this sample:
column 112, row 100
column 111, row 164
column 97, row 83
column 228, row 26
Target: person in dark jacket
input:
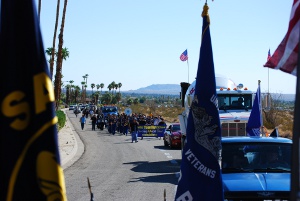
column 94, row 120
column 134, row 130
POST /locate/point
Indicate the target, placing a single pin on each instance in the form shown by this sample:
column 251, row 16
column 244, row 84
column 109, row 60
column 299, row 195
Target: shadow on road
column 167, row 171
column 155, row 167
column 163, row 178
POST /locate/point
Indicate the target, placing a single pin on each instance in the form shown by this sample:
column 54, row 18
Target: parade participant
column 76, row 111
column 109, row 123
column 82, row 121
column 142, row 122
column 94, row 120
column 125, row 125
column 162, row 123
column 133, row 130
column 113, row 124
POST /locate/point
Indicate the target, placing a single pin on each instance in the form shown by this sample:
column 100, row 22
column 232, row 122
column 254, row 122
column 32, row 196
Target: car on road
column 172, row 136
column 72, row 107
column 256, row 168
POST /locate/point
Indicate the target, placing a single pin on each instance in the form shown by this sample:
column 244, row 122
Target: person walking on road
column 82, row 121
column 94, row 120
column 133, row 130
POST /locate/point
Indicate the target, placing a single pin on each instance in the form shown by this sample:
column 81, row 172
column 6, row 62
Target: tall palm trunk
column 54, row 40
column 58, row 75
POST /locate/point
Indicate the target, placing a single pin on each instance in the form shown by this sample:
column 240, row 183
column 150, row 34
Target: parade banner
column 151, row 131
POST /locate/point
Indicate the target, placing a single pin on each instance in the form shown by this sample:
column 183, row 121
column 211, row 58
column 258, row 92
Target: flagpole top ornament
column 205, row 12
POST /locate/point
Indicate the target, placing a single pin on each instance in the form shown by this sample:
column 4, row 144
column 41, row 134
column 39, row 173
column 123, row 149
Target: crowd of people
column 121, row 123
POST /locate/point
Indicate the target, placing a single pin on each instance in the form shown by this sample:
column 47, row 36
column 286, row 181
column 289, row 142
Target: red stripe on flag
column 286, row 55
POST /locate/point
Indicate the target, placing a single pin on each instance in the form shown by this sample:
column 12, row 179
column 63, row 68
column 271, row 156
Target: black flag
column 30, row 163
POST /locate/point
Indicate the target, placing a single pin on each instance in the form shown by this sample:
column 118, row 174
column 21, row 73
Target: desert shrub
column 61, row 119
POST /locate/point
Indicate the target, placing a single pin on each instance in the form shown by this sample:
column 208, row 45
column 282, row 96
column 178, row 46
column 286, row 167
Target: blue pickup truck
column 256, row 168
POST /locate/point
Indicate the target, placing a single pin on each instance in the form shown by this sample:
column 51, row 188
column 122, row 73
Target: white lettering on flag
column 198, row 165
column 185, row 197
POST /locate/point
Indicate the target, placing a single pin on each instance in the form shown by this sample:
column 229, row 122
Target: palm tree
column 93, row 86
column 118, row 97
column 77, row 91
column 97, row 86
column 65, row 54
column 85, row 77
column 68, row 94
column 82, row 92
column 97, row 97
column 113, row 85
column 110, row 87
column 72, row 92
column 119, row 85
column 49, row 53
column 106, row 98
column 54, row 40
column 116, row 87
column 101, row 86
column 60, row 55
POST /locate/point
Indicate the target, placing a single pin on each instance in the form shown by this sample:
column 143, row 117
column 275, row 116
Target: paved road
column 117, row 169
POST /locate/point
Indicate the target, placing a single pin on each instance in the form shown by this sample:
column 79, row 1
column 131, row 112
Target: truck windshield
column 256, row 157
column 234, row 101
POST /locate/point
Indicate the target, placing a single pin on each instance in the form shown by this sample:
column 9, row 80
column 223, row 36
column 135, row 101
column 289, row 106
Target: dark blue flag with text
column 200, row 174
column 30, row 162
column 255, row 119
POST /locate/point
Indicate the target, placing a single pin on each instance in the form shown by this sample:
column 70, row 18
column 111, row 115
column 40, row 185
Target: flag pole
column 187, row 61
column 260, row 111
column 295, row 193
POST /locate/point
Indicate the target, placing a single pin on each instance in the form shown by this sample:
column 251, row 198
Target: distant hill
column 175, row 89
column 172, row 89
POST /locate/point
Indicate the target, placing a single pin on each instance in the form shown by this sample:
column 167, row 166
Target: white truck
column 234, row 102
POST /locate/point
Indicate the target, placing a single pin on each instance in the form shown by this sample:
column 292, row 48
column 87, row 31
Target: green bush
column 61, row 119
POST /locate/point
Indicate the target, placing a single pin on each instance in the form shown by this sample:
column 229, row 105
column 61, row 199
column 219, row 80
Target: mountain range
column 175, row 89
column 171, row 89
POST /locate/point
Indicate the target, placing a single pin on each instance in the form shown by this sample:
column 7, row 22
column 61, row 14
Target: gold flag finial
column 205, row 12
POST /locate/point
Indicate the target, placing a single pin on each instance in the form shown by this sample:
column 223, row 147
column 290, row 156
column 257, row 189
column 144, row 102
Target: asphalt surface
column 69, row 143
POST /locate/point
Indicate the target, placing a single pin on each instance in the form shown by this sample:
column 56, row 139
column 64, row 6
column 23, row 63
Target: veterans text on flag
column 200, row 174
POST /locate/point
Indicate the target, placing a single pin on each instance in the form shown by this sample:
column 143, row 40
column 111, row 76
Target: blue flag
column 30, row 162
column 200, row 177
column 255, row 119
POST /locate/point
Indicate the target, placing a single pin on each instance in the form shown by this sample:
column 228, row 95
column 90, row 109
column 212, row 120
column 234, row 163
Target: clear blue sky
column 138, row 43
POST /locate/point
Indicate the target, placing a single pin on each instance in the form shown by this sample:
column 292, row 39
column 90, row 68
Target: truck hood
column 258, row 182
column 234, row 115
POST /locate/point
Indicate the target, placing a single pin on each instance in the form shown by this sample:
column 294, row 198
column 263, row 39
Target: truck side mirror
column 184, row 88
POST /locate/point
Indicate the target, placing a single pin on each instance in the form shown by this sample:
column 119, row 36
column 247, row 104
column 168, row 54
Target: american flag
column 286, row 55
column 269, row 55
column 184, row 56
